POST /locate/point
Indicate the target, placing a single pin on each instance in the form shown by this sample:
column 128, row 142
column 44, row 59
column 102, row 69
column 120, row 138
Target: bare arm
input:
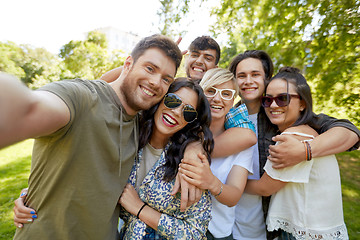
column 28, row 114
column 232, row 141
column 112, row 75
column 200, row 175
column 292, row 152
column 266, row 186
column 132, row 203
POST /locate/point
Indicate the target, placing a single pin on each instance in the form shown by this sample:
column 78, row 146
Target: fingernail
column 30, row 220
column 20, row 226
column 34, row 216
column 22, row 194
column 32, row 212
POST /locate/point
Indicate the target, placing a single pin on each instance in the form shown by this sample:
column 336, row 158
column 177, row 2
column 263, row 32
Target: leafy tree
column 320, row 37
column 172, row 17
column 34, row 66
column 89, row 59
column 10, row 55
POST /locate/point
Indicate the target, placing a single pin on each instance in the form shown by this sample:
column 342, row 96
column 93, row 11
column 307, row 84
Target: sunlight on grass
column 15, row 162
column 349, row 193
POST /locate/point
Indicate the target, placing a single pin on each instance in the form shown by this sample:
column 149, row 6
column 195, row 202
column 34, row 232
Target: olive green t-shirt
column 79, row 172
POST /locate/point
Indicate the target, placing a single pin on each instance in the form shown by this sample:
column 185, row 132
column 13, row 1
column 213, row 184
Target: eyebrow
column 206, row 54
column 157, row 67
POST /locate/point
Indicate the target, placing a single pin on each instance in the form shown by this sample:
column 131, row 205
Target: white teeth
column 198, row 70
column 216, row 107
column 276, row 113
column 169, row 120
column 249, row 89
column 147, row 92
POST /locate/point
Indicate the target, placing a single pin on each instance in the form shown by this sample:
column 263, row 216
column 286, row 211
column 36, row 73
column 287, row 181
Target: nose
column 155, row 81
column 217, row 97
column 200, row 60
column 177, row 111
column 273, row 104
column 248, row 78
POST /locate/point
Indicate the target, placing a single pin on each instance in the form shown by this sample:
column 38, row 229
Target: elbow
column 253, row 140
column 231, row 204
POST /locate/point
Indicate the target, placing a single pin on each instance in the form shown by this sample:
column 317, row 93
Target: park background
column 45, row 41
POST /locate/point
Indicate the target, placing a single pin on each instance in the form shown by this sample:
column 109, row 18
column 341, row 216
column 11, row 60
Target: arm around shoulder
column 232, row 141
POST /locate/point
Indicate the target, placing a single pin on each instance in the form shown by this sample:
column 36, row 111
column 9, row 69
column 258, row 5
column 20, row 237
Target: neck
column 217, row 126
column 116, row 86
column 158, row 141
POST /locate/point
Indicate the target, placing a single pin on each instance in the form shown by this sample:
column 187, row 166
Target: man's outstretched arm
column 290, row 152
column 28, row 114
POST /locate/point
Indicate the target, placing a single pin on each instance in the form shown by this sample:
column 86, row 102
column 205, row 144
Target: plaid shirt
column 238, row 117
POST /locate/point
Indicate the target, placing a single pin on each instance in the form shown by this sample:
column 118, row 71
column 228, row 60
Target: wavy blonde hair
column 216, row 76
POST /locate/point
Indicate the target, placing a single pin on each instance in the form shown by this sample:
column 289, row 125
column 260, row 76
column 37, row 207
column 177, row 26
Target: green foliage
column 320, row 37
column 34, row 66
column 10, row 55
column 87, row 59
column 171, row 15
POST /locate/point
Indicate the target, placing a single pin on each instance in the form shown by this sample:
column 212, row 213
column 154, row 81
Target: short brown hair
column 164, row 43
column 205, row 43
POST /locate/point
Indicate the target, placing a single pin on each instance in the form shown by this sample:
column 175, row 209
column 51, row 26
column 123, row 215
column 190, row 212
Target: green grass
column 15, row 168
column 14, row 171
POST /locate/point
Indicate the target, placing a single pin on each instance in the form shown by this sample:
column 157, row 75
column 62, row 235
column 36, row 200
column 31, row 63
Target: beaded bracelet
column 221, row 188
column 308, row 154
column 142, row 207
column 308, row 148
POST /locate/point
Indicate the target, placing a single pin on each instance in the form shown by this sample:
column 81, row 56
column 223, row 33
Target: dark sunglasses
column 281, row 100
column 171, row 100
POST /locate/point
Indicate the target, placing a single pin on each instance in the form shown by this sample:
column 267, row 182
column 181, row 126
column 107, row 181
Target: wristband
column 142, row 207
column 308, row 154
column 221, row 188
column 308, row 148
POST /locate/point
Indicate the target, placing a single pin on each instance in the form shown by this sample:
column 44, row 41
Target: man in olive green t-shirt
column 86, row 139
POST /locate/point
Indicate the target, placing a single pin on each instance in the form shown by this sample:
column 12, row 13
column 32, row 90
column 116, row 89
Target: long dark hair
column 293, row 75
column 197, row 130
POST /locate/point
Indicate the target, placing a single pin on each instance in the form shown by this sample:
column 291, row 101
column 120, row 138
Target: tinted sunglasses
column 226, row 94
column 281, row 100
column 172, row 101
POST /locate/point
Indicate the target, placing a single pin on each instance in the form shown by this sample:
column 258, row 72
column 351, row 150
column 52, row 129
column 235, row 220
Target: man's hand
column 23, row 214
column 198, row 173
column 178, row 42
column 289, row 152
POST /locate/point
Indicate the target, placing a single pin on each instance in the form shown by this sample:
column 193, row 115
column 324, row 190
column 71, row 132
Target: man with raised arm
column 86, row 139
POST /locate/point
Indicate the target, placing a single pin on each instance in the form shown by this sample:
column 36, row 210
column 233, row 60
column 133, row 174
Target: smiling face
column 146, row 81
column 250, row 77
column 220, row 107
column 198, row 62
column 286, row 116
column 169, row 121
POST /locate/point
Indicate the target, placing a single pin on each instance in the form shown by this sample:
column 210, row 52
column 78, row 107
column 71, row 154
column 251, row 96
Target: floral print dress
column 173, row 224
